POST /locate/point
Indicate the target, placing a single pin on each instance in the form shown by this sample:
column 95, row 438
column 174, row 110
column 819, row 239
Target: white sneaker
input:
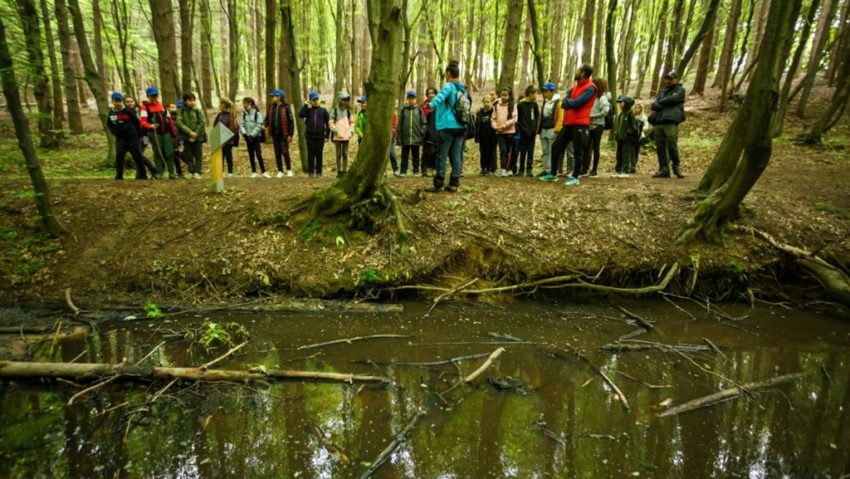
column 509, row 173
column 254, row 174
column 266, row 174
column 289, row 173
column 279, row 174
column 197, row 176
column 504, row 173
column 229, row 175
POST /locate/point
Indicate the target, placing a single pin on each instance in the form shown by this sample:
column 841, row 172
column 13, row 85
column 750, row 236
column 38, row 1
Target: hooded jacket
column 444, row 106
column 317, row 121
column 626, row 127
column 411, row 125
column 600, row 110
column 504, row 118
column 484, row 132
column 191, row 120
column 528, row 117
column 669, row 106
column 252, row 123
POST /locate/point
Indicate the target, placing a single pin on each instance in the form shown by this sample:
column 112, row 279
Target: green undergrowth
column 79, row 156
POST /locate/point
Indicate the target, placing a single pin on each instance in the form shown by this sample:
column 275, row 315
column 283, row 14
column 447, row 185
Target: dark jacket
column 432, row 137
column 528, row 113
column 411, row 126
column 223, row 117
column 279, row 120
column 124, row 124
column 669, row 106
column 317, row 120
column 626, row 126
column 484, row 132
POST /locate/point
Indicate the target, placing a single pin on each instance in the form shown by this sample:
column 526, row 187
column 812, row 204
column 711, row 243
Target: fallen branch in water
column 93, row 371
column 422, row 364
column 449, row 294
column 397, row 441
column 598, row 371
column 644, row 323
column 329, row 446
column 561, row 439
column 730, row 393
column 351, row 340
column 486, row 364
column 648, row 346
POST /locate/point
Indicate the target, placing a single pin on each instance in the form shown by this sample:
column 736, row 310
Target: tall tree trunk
column 599, row 35
column 121, row 22
column 22, row 131
column 55, row 78
column 526, row 54
column 162, row 13
column 480, row 44
column 206, row 60
column 75, row 118
column 100, row 58
column 843, row 30
column 586, row 31
column 706, row 54
column 291, row 78
column 422, row 60
column 659, row 52
column 751, row 132
column 356, row 81
column 510, row 46
column 187, row 26
column 535, row 34
column 366, row 179
column 93, row 77
column 675, row 33
column 339, row 60
column 785, row 96
column 836, row 107
column 610, row 56
column 271, row 37
column 41, row 89
column 724, row 70
column 821, row 36
column 707, row 26
column 761, row 21
column 233, row 51
column 557, row 44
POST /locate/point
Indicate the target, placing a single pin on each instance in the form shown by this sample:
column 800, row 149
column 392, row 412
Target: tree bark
column 659, row 52
column 356, row 79
column 233, row 50
column 675, row 33
column 836, row 107
column 365, row 181
column 557, row 45
column 22, row 131
column 100, row 59
column 706, row 57
column 610, row 56
column 706, row 27
column 598, row 36
column 187, row 26
column 751, row 132
column 72, row 97
column 291, row 78
column 526, row 54
column 162, row 13
column 727, row 54
column 586, row 31
column 537, row 50
column 510, row 46
column 32, row 40
column 209, row 77
column 55, row 79
column 121, row 21
column 271, row 37
column 821, row 36
column 843, row 31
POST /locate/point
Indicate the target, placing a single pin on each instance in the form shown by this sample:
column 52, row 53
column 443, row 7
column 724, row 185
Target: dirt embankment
column 174, row 241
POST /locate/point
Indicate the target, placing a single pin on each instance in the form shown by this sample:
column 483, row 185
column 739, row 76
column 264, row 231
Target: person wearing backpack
column 192, row 126
column 528, row 113
column 411, row 129
column 601, row 119
column 551, row 120
column 452, row 109
column 251, row 128
column 341, row 125
column 161, row 132
column 504, row 121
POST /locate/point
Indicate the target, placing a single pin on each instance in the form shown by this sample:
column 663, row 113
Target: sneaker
column 266, row 174
column 624, row 175
column 507, row 173
column 548, row 177
column 451, row 189
column 289, row 173
column 632, row 171
column 279, row 174
column 255, row 175
column 229, row 175
column 571, row 181
column 402, row 175
column 529, row 173
column 543, row 173
column 417, row 175
column 662, row 174
column 396, row 174
column 521, row 172
column 433, row 189
column 678, row 173
column 502, row 173
column 197, row 176
column 593, row 174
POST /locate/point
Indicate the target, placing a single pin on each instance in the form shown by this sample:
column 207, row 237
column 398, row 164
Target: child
column 551, row 121
column 393, row 141
column 627, row 133
column 227, row 117
column 485, row 136
column 341, row 125
column 131, row 104
column 124, row 125
column 360, row 121
column 251, row 128
column 317, row 132
column 179, row 149
column 431, row 147
column 192, row 125
column 161, row 132
column 412, row 125
column 528, row 113
column 598, row 113
column 504, row 123
column 280, row 125
column 644, row 127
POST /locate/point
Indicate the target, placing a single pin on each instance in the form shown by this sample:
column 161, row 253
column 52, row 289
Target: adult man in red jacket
column 577, row 106
column 161, row 132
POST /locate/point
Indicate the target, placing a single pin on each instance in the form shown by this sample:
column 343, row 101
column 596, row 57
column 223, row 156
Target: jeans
column 227, row 154
column 406, row 152
column 133, row 147
column 255, row 151
column 547, row 137
column 451, row 145
column 341, row 156
column 667, row 145
column 393, row 159
column 281, row 149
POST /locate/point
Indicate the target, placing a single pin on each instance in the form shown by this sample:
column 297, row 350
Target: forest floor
column 175, row 242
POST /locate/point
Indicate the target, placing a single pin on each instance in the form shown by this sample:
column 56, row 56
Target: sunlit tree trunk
column 187, row 26
column 55, row 79
column 832, row 113
column 291, row 74
column 706, row 57
column 510, row 46
column 821, row 36
column 72, row 97
column 724, row 70
column 557, row 45
column 209, row 77
column 162, row 13
column 271, row 37
column 233, row 49
column 785, row 96
column 538, row 46
column 706, row 27
column 586, row 31
column 41, row 89
column 659, row 49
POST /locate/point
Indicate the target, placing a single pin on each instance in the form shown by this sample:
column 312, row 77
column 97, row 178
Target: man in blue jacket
column 667, row 112
column 450, row 130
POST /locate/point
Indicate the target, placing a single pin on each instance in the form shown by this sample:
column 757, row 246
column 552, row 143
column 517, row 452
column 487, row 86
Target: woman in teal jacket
column 451, row 132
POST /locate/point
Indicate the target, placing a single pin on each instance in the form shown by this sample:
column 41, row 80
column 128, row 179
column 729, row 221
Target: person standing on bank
column 251, row 128
column 192, row 126
column 411, row 131
column 551, row 122
column 161, row 132
column 279, row 124
column 317, row 132
column 667, row 112
column 451, row 131
column 600, row 111
column 342, row 125
column 125, row 127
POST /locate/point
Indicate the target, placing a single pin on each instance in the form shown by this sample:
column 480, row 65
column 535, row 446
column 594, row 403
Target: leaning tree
column 363, row 188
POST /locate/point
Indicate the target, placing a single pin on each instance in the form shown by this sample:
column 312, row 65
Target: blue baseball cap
column 152, row 91
column 411, row 93
column 362, row 99
column 278, row 92
column 117, row 96
column 550, row 87
column 180, row 103
column 621, row 98
column 314, row 96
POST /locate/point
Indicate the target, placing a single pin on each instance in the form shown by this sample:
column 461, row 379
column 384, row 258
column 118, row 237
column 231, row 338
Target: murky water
column 558, row 420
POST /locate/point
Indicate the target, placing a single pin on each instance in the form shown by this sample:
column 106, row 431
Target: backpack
column 609, row 118
column 463, row 108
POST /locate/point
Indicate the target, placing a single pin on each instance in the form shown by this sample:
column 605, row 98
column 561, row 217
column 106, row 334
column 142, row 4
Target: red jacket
column 579, row 115
column 285, row 123
column 155, row 113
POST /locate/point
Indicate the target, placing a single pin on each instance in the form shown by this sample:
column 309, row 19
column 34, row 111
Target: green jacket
column 626, row 127
column 191, row 120
column 360, row 124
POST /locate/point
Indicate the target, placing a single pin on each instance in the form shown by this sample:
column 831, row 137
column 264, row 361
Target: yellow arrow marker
column 220, row 135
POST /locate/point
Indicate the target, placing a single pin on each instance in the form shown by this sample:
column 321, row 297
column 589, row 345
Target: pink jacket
column 500, row 121
column 343, row 120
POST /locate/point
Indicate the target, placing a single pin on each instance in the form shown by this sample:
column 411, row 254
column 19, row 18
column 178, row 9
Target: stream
column 540, row 411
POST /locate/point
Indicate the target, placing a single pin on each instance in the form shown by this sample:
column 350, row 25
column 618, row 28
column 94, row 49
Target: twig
column 397, row 441
column 70, row 302
column 222, row 357
column 430, row 363
column 559, row 438
column 351, row 340
column 449, row 293
column 644, row 323
column 92, row 388
column 599, row 371
column 328, row 445
column 648, row 346
column 714, row 347
column 730, row 393
column 150, row 353
column 486, row 364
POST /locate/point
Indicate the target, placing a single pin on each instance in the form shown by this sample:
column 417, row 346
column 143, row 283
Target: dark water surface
column 563, row 421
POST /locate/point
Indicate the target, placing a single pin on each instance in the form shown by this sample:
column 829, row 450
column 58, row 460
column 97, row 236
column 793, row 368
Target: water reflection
column 328, row 430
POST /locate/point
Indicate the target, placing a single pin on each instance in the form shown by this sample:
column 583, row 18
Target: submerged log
column 92, row 371
column 632, row 347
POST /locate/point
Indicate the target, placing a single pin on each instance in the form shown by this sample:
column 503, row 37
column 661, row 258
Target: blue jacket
column 444, row 106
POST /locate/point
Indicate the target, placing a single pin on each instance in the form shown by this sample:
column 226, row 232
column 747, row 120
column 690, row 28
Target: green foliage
column 369, row 276
column 833, row 210
column 152, row 310
column 211, row 335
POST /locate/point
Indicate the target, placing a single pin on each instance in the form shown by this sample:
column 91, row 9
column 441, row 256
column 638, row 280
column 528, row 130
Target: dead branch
column 74, row 309
column 223, row 356
column 449, row 294
column 397, row 441
column 649, row 346
column 644, row 323
column 351, row 340
column 730, row 393
column 486, row 364
column 25, row 330
column 595, row 368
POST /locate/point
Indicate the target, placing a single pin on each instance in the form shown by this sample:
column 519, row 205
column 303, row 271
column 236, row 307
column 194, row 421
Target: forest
column 409, row 238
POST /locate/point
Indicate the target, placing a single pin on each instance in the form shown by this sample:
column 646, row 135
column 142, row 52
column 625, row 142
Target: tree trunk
column 271, row 37
column 761, row 21
column 610, row 56
column 526, row 54
column 659, row 51
column 836, row 107
column 785, row 96
column 209, row 77
column 291, row 78
column 233, row 50
column 22, row 131
column 41, row 89
column 75, row 118
column 675, row 33
column 365, row 180
column 480, row 44
column 706, row 56
column 586, row 31
column 727, row 54
column 537, row 51
column 339, row 60
column 724, row 94
column 100, row 59
column 751, row 132
column 162, row 13
column 121, row 21
column 843, row 31
column 356, row 79
column 557, row 45
column 821, row 36
column 510, row 46
column 599, row 35
column 706, row 27
column 55, row 78
column 93, row 77
column 187, row 26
